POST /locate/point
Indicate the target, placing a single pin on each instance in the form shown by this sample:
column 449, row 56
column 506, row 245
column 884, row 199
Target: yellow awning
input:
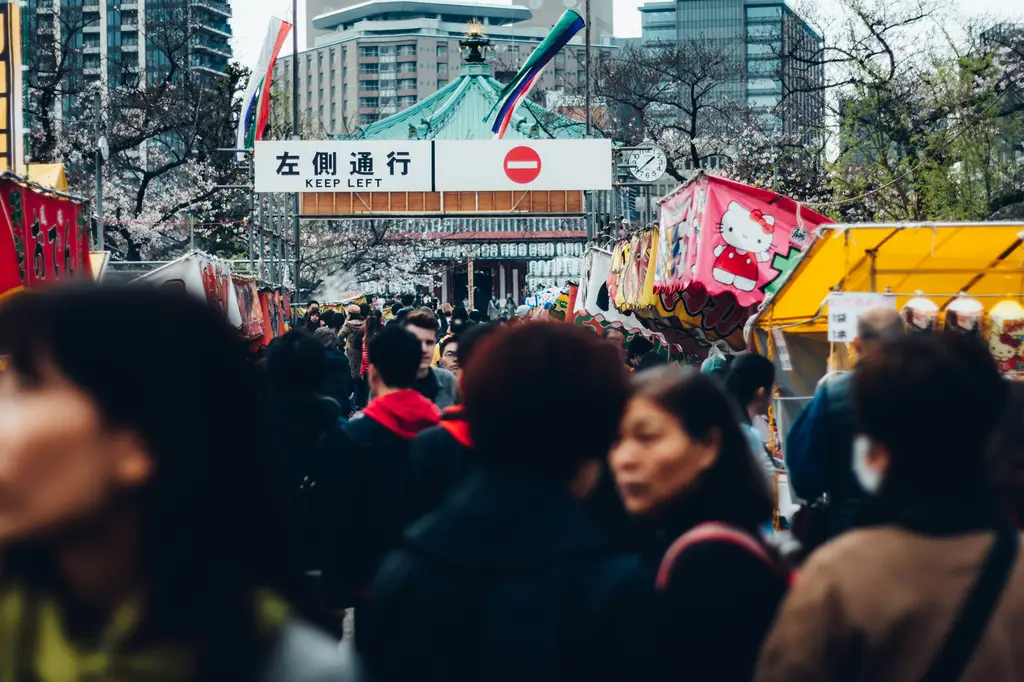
column 48, row 175
column 937, row 259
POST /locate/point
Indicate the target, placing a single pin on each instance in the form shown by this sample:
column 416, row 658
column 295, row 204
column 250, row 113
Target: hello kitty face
column 750, row 231
column 1003, row 347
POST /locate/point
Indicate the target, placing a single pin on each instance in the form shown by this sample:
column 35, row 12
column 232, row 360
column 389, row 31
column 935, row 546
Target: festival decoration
column 965, row 316
column 204, row 277
column 519, row 87
column 1005, row 333
column 729, row 238
column 249, row 306
column 256, row 99
column 920, row 314
column 636, row 291
column 42, row 239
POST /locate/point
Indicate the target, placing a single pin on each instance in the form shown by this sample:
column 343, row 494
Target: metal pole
column 99, row 175
column 263, row 222
column 295, row 129
column 470, row 283
column 191, row 232
column 252, row 216
column 586, row 39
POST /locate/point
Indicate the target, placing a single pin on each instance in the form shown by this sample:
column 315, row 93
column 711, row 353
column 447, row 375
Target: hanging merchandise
column 920, row 314
column 1005, row 332
column 965, row 316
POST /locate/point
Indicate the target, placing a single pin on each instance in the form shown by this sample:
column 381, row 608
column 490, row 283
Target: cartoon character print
column 748, row 237
column 1006, row 350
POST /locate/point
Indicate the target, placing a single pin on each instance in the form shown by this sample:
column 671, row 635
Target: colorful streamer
column 256, row 100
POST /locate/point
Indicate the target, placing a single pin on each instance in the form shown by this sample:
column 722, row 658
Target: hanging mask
column 870, row 479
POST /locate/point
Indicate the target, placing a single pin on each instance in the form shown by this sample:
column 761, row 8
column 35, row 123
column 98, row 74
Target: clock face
column 648, row 164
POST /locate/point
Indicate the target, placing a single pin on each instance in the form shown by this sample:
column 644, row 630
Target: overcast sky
column 251, row 17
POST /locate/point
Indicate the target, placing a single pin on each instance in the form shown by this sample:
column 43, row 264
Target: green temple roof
column 456, row 112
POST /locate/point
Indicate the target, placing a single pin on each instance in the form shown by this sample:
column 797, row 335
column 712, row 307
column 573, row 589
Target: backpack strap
column 715, row 532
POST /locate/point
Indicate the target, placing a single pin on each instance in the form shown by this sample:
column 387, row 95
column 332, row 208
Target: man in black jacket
column 370, row 475
column 442, row 455
column 510, row 580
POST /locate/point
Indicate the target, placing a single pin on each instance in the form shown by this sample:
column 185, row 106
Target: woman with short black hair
column 682, row 464
column 138, row 536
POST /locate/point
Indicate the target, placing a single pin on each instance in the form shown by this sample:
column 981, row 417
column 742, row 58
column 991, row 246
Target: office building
column 380, row 57
column 544, row 14
column 772, row 47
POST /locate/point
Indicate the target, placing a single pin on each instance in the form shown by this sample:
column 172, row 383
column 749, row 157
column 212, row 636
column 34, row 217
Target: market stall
column 961, row 277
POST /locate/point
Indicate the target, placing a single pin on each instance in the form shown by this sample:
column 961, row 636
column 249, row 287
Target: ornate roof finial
column 476, row 45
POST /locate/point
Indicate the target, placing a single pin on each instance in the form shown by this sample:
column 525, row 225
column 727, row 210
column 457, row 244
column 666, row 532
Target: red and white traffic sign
column 522, row 165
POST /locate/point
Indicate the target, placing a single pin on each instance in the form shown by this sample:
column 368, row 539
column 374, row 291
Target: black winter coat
column 441, row 462
column 338, row 380
column 509, row 581
column 370, row 486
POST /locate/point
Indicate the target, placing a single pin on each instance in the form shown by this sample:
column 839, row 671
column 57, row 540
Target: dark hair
column 1006, row 452
column 448, row 340
column 901, row 390
column 408, row 300
column 371, row 327
column 395, row 353
column 210, row 530
column 470, row 339
column 422, row 318
column 638, row 346
column 735, row 489
column 327, row 338
column 476, row 316
column 327, row 317
column 537, row 370
column 296, row 363
column 608, row 331
column 459, row 313
column 747, row 374
column 312, row 303
column 364, row 310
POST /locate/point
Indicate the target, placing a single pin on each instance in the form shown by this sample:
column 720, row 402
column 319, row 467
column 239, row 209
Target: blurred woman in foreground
column 683, row 463
column 136, row 541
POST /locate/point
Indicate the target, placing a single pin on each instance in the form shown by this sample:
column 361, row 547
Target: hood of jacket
column 453, row 420
column 405, row 413
column 503, row 521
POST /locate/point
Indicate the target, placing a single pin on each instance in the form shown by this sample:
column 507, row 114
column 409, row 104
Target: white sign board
column 433, row 166
column 782, row 350
column 370, row 166
column 482, row 165
column 845, row 307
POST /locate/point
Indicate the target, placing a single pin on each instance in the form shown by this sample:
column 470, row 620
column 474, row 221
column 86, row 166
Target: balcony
column 214, row 6
column 204, row 46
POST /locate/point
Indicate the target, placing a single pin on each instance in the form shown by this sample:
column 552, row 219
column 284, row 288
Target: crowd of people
column 493, row 501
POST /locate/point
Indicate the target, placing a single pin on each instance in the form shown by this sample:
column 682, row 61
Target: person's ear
column 133, row 466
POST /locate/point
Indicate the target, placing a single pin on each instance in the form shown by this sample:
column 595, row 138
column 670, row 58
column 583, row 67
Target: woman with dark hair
column 931, row 586
column 370, row 329
column 137, row 532
column 683, row 464
column 750, row 379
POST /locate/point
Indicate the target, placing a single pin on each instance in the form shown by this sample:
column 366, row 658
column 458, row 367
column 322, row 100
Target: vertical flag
column 256, row 100
column 519, row 87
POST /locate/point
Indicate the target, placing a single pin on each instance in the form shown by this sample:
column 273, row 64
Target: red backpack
column 718, row 532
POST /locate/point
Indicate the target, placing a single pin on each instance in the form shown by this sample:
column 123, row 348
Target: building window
column 441, row 83
column 407, row 67
column 406, row 50
column 368, row 51
column 581, row 75
column 406, row 101
column 369, row 102
column 368, row 86
column 442, row 51
column 407, row 84
column 369, row 68
column 366, row 119
column 559, row 75
column 442, row 69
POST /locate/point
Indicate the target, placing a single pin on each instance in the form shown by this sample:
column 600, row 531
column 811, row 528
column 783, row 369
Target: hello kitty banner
column 730, row 238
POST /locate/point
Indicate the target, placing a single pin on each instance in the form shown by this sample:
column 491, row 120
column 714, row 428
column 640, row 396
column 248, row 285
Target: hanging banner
column 50, row 241
column 731, row 238
column 636, row 291
column 249, row 306
column 12, row 154
column 273, row 316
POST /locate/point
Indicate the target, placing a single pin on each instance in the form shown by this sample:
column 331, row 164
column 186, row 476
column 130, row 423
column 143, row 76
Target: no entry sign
column 522, row 165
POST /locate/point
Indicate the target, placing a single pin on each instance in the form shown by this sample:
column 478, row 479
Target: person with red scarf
column 368, row 471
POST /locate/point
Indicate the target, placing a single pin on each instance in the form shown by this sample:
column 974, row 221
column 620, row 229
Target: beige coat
column 875, row 605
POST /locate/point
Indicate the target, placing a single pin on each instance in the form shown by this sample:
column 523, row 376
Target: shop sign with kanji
column 368, row 166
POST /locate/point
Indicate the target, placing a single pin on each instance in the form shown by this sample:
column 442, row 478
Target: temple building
column 517, row 241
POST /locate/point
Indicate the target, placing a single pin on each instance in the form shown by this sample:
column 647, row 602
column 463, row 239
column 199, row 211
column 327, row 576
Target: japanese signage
column 844, row 308
column 11, row 105
column 514, row 250
column 426, row 166
column 47, row 233
column 371, row 166
column 481, row 165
